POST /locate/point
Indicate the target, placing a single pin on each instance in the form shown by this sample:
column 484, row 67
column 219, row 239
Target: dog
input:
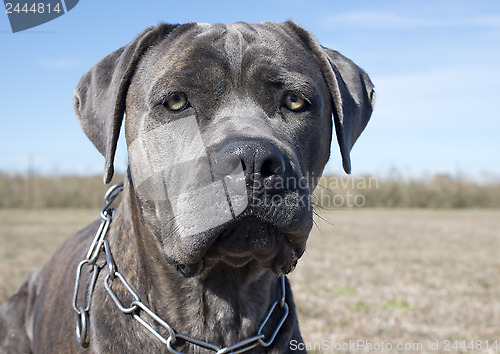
column 228, row 129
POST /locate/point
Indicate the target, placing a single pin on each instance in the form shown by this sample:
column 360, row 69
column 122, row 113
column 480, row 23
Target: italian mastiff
column 228, row 129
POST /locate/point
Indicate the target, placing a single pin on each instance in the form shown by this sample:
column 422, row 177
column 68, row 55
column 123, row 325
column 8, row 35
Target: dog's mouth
column 249, row 241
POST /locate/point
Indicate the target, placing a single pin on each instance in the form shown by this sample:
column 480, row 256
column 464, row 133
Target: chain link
column 82, row 319
column 136, row 306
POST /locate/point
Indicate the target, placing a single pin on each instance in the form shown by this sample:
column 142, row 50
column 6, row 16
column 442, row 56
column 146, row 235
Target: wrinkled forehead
column 206, row 50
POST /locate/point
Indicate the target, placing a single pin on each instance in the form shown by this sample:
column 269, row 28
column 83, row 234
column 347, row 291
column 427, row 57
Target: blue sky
column 435, row 66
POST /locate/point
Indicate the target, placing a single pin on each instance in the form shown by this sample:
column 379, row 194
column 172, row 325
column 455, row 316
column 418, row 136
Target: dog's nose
column 262, row 162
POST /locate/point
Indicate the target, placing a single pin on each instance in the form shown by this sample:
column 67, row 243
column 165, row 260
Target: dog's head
column 228, row 129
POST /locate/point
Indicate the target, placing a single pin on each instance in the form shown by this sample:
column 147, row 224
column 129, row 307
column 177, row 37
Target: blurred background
column 434, row 65
column 414, row 231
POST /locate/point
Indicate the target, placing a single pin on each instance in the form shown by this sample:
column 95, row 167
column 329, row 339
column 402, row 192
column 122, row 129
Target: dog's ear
column 99, row 98
column 351, row 89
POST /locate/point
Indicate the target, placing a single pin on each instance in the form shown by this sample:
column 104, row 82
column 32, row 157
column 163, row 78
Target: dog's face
column 228, row 129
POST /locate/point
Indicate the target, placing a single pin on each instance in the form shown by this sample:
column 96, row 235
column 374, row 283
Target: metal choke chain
column 136, row 307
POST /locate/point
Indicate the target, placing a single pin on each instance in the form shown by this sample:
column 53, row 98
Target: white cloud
column 391, row 20
column 455, row 95
column 58, row 63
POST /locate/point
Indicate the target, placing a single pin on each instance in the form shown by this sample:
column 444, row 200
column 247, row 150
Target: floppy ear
column 99, row 98
column 351, row 89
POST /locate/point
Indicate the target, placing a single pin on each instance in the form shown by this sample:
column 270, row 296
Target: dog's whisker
column 324, row 219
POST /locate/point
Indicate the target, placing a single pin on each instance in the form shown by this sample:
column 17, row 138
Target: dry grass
column 434, row 191
column 40, row 192
column 29, row 237
column 401, row 276
column 392, row 276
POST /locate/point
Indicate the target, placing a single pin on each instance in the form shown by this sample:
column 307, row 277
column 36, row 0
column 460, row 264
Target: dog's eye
column 295, row 102
column 176, row 102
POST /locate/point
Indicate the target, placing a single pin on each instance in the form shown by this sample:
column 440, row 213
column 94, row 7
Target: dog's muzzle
column 270, row 229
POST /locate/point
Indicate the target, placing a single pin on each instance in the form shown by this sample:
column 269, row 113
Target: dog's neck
column 221, row 306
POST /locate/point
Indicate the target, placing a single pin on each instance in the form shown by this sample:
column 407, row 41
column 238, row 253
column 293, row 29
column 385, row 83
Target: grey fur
column 215, row 285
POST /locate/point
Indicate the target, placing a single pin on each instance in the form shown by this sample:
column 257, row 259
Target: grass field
column 427, row 279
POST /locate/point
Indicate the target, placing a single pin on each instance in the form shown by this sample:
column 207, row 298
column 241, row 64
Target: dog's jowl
column 228, row 129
